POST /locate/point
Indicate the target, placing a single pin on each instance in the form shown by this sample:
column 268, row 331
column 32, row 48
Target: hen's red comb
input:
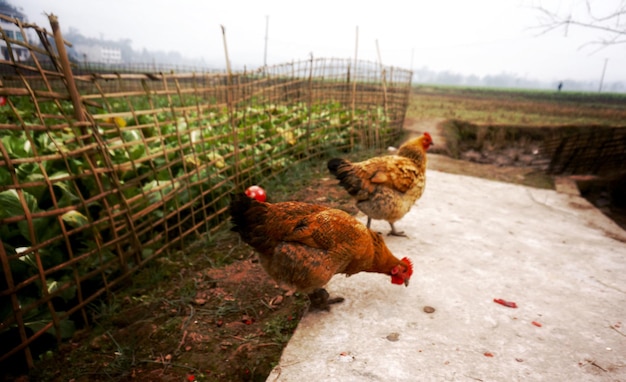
column 409, row 265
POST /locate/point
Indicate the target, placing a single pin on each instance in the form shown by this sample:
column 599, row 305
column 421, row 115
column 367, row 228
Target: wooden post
column 67, row 70
column 310, row 106
column 267, row 27
column 383, row 81
column 606, row 60
column 81, row 116
column 354, row 81
column 231, row 111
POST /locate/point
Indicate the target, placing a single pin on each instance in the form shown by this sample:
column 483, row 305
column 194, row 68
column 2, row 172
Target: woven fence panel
column 101, row 173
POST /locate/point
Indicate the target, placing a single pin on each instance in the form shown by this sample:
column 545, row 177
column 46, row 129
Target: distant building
column 12, row 32
column 98, row 53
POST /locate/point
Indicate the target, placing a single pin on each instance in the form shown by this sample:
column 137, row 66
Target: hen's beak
column 406, row 282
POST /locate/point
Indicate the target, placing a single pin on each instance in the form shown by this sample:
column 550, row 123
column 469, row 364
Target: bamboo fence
column 102, row 172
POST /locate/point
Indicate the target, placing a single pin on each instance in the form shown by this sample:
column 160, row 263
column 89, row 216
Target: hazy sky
column 478, row 37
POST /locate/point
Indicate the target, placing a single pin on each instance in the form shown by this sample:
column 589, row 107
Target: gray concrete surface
column 472, row 240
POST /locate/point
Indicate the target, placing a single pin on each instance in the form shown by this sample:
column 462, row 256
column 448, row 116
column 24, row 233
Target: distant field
column 518, row 107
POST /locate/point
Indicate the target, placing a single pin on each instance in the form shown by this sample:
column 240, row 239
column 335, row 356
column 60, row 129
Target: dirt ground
column 213, row 314
column 216, row 317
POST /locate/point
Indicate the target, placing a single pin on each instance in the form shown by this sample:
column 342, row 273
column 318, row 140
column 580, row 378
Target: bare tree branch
column 612, row 26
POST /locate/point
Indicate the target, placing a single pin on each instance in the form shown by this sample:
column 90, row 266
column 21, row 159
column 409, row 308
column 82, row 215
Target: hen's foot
column 320, row 300
column 396, row 233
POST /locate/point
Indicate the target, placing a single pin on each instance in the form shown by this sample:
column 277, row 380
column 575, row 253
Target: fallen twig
column 169, row 364
column 617, row 330
column 182, row 341
column 592, row 362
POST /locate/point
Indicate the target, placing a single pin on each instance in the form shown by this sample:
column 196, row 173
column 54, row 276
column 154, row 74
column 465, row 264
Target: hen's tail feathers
column 343, row 171
column 247, row 216
column 334, row 164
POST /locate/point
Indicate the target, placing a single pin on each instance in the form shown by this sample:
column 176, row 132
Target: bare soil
column 214, row 315
column 211, row 313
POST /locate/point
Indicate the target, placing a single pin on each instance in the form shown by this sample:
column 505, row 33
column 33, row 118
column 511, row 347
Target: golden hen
column 303, row 245
column 386, row 187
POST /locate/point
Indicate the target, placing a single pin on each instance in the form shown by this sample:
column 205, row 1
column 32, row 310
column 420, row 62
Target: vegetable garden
column 101, row 173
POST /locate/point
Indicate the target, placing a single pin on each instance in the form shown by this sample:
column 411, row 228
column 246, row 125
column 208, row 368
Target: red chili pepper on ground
column 536, row 324
column 509, row 304
column 247, row 320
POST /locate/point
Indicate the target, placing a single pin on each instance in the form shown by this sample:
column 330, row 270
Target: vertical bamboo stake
column 354, row 81
column 383, row 79
column 67, row 70
column 228, row 68
column 80, row 115
column 310, row 102
column 231, row 112
column 267, row 27
column 17, row 311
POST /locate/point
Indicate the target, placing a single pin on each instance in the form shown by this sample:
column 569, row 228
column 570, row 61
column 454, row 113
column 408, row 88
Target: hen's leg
column 369, row 221
column 320, row 300
column 394, row 232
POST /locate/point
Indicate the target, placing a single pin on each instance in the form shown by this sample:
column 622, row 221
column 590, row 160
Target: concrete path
column 473, row 240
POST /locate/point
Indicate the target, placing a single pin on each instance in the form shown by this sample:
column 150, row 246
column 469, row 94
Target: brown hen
column 303, row 245
column 386, row 187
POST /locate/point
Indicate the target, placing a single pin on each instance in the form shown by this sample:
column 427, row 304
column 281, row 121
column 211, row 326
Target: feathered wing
column 299, row 244
column 394, row 172
column 361, row 179
column 319, row 246
column 262, row 225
